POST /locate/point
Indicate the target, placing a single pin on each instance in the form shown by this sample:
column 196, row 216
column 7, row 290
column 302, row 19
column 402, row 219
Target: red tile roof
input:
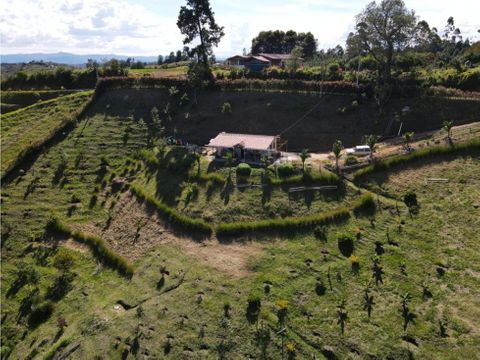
column 247, row 141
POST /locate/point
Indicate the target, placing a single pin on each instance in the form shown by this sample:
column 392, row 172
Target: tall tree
column 196, row 20
column 383, row 30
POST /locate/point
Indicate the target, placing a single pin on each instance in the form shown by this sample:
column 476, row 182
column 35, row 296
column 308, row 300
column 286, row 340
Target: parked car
column 359, row 150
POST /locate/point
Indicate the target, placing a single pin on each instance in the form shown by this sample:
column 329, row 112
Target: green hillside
column 197, row 294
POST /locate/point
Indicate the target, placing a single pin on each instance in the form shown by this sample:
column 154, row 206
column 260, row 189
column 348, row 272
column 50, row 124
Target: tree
column 383, row 30
column 196, row 20
column 337, row 151
column 447, row 126
column 160, row 60
column 295, row 58
column 371, row 140
column 304, row 155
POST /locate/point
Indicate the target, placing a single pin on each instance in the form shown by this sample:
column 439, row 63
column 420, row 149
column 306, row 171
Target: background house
column 256, row 63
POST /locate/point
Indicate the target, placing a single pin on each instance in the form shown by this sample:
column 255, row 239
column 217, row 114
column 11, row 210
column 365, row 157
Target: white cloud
column 149, row 27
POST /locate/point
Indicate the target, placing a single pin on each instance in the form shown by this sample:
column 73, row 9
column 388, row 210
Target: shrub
column 285, row 170
column 63, row 260
column 60, row 287
column 351, row 160
column 410, row 199
column 354, row 262
column 345, row 244
column 365, row 205
column 320, row 288
column 40, row 313
column 254, row 303
column 320, row 232
column 226, row 108
column 244, row 169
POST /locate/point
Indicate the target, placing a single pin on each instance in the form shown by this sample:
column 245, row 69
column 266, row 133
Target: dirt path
column 133, row 232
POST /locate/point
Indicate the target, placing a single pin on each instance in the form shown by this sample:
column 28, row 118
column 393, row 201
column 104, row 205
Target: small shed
column 245, row 147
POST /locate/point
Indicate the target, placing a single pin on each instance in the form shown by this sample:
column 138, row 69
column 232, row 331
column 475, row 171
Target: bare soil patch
column 134, row 231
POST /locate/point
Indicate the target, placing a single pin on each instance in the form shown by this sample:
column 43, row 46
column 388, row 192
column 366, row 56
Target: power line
column 302, row 117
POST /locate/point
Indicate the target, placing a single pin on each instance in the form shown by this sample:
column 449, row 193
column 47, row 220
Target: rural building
column 245, row 147
column 256, row 63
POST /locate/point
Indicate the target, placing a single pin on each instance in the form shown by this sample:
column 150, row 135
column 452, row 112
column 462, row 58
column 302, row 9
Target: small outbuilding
column 245, row 147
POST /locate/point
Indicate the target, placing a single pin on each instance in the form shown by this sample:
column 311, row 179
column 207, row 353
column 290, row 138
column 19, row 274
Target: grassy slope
column 272, row 113
column 26, row 98
column 29, row 126
column 105, row 329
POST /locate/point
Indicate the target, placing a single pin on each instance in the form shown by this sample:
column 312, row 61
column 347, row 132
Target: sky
column 148, row 27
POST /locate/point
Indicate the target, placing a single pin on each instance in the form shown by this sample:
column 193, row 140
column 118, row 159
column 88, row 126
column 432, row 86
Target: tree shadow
column 227, row 190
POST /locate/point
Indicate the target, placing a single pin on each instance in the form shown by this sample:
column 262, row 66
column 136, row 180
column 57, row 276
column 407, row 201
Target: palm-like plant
column 304, row 155
column 368, row 301
column 342, row 315
column 371, row 140
column 198, row 158
column 337, row 151
column 408, row 138
column 229, row 161
column 447, row 126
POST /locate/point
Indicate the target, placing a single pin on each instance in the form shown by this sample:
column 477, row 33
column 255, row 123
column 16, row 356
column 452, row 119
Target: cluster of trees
column 280, row 42
column 179, row 55
column 69, row 78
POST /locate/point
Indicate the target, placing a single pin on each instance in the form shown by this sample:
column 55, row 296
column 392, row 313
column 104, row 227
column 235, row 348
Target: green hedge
column 172, row 216
column 395, row 161
column 98, row 246
column 308, row 178
column 282, row 225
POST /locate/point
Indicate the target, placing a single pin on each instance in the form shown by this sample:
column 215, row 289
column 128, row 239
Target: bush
column 40, row 313
column 345, row 244
column 244, row 169
column 410, row 199
column 196, row 226
column 289, row 224
column 226, row 108
column 351, row 160
column 63, row 260
column 320, row 232
column 365, row 205
column 285, row 170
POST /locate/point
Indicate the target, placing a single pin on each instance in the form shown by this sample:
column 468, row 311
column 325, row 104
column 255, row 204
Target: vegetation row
column 180, row 221
column 381, row 165
column 98, row 246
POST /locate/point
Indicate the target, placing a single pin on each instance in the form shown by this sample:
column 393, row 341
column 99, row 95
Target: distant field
column 26, row 128
column 15, row 100
column 170, row 72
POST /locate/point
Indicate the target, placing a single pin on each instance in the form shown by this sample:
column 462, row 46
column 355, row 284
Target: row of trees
column 179, row 55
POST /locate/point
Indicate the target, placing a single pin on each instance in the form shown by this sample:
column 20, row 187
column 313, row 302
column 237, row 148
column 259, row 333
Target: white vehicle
column 359, row 150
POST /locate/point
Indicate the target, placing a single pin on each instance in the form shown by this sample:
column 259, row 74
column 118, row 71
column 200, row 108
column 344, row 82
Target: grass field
column 168, row 72
column 174, row 305
column 29, row 127
column 13, row 100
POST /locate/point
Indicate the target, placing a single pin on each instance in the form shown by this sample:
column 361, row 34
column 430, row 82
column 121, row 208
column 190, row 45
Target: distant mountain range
column 69, row 59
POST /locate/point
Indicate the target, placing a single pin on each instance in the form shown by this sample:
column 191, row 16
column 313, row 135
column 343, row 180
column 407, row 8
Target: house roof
column 249, row 58
column 247, row 141
column 276, row 56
